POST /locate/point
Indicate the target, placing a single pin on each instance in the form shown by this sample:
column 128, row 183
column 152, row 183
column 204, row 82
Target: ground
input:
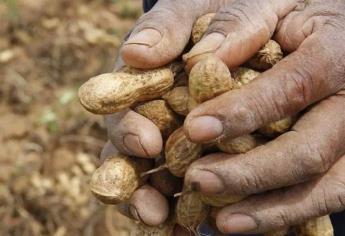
column 50, row 145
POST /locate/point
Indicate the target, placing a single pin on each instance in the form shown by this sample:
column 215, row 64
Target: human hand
column 312, row 74
column 164, row 33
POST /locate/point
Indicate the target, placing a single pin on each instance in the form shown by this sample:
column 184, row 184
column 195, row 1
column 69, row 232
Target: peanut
column 209, row 78
column 239, row 145
column 244, row 76
column 266, row 57
column 117, row 178
column 219, row 200
column 166, row 229
column 112, row 92
column 281, row 232
column 321, row 226
column 200, row 26
column 160, row 114
column 180, row 153
column 190, row 211
column 177, row 99
column 165, row 182
column 277, row 127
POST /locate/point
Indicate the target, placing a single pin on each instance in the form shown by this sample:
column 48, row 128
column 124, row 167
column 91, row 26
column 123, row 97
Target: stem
column 155, row 170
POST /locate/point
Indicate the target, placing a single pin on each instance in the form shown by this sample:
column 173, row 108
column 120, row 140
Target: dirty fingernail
column 238, row 223
column 204, row 128
column 133, row 144
column 146, row 37
column 207, row 45
column 205, row 181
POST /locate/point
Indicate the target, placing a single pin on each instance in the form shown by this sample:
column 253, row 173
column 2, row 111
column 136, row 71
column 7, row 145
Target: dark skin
column 307, row 162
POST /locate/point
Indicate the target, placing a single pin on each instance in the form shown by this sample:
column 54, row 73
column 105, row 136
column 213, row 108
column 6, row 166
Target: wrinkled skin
column 307, row 162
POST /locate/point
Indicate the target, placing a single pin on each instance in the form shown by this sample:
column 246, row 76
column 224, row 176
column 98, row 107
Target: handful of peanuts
column 165, row 96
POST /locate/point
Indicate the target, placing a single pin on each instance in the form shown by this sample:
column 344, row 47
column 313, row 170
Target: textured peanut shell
column 281, row 232
column 220, row 201
column 239, row 145
column 180, row 152
column 112, row 92
column 166, row 229
column 160, row 114
column 244, row 76
column 177, row 99
column 117, row 178
column 277, row 127
column 200, row 26
column 165, row 182
column 266, row 57
column 321, row 226
column 190, row 210
column 209, row 78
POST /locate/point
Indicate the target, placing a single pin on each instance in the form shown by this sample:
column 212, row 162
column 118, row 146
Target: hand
column 312, row 74
column 158, row 38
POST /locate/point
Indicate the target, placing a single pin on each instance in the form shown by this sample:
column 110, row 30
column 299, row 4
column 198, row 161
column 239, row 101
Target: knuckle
column 315, row 161
column 236, row 15
column 298, row 87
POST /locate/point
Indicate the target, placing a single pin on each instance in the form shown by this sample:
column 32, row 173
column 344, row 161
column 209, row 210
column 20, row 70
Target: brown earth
column 49, row 144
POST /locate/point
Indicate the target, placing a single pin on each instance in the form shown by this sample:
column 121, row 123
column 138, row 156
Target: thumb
column 161, row 34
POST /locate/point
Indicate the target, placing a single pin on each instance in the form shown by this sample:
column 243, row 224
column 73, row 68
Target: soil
column 49, row 144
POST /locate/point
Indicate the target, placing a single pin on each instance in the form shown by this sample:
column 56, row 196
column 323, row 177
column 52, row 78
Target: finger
column 287, row 207
column 313, row 145
column 133, row 134
column 149, row 206
column 161, row 34
column 239, row 30
column 299, row 80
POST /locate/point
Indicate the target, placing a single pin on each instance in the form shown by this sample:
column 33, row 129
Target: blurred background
column 49, row 144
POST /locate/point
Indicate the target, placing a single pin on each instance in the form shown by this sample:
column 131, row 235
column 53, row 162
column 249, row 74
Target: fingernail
column 147, row 37
column 207, row 45
column 134, row 213
column 204, row 128
column 133, row 144
column 205, row 181
column 239, row 223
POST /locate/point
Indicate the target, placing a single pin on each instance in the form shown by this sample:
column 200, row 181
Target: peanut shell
column 209, row 78
column 117, row 178
column 160, row 114
column 180, row 152
column 112, row 92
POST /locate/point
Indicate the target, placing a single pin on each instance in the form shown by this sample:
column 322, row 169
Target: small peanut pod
column 200, row 26
column 240, row 145
column 166, row 229
column 266, row 57
column 243, row 76
column 191, row 211
column 160, row 114
column 177, row 99
column 112, row 92
column 180, row 153
column 276, row 128
column 165, row 182
column 117, row 178
column 209, row 78
column 220, row 200
column 321, row 226
column 280, row 232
